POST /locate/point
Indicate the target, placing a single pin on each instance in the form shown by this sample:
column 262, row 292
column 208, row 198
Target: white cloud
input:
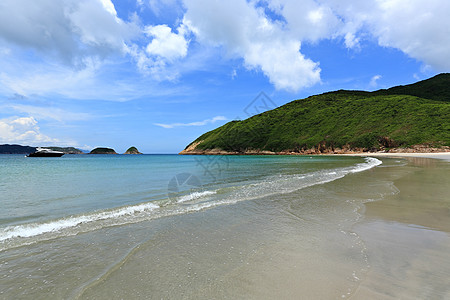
column 307, row 20
column 200, row 123
column 23, row 130
column 416, row 27
column 165, row 43
column 72, row 30
column 273, row 45
column 165, row 48
column 374, row 80
column 245, row 31
column 67, row 47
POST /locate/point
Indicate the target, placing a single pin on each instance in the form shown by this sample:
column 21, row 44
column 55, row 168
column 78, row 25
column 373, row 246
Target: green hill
column 66, row 150
column 436, row 88
column 342, row 121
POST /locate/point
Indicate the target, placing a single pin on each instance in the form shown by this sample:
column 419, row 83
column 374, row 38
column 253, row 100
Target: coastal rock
column 103, row 151
column 132, row 150
column 320, row 150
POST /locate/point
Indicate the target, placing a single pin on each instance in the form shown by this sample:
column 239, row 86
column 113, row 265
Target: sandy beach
column 407, row 234
column 437, row 155
column 393, row 242
column 375, row 233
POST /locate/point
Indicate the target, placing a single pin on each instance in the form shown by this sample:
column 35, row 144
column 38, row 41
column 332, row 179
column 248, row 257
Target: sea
column 185, row 227
column 46, row 198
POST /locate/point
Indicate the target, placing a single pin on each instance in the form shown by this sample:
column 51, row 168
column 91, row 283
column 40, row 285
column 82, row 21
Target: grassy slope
column 353, row 118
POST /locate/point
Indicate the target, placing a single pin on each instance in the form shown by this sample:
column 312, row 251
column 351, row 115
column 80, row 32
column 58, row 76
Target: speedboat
column 43, row 152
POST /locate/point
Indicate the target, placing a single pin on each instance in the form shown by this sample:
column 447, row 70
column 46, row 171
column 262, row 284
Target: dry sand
column 437, row 155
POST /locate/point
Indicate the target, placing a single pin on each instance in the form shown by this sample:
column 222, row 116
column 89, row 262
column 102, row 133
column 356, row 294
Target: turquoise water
column 45, row 198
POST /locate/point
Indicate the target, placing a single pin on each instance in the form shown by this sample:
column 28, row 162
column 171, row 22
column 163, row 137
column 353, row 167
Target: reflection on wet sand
column 407, row 236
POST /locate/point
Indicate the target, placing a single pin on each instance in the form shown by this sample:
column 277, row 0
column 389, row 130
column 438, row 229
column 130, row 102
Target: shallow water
column 263, row 227
column 44, row 198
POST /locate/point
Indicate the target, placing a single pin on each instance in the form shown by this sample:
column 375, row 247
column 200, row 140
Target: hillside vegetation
column 101, row 150
column 404, row 116
column 66, row 150
column 132, row 150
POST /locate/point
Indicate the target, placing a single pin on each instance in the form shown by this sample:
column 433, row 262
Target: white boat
column 44, row 152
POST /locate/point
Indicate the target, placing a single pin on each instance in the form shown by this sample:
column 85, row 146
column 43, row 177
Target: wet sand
column 395, row 247
column 408, row 236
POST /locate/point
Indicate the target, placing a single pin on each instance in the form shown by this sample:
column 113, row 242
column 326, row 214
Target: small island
column 132, row 150
column 66, row 150
column 103, row 151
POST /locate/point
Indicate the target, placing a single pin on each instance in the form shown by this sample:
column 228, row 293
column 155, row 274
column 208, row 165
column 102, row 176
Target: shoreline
column 444, row 155
column 435, row 155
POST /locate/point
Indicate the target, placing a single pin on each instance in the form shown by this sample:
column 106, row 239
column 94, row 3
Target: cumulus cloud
column 307, row 20
column 73, row 30
column 245, row 31
column 64, row 47
column 166, row 47
column 23, row 130
column 200, row 123
column 266, row 35
column 165, row 43
column 417, row 28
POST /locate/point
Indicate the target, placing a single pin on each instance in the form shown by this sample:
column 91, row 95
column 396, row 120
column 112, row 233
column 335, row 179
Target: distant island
column 66, row 150
column 410, row 118
column 18, row 149
column 103, row 151
column 132, row 150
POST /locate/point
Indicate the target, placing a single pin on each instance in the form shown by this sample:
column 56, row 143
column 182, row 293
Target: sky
column 156, row 74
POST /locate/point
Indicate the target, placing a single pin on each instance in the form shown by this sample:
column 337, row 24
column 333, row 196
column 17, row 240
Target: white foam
column 369, row 164
column 195, row 196
column 34, row 229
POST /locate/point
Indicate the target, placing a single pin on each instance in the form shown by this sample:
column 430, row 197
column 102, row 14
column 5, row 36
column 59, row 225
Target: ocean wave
column 34, row 229
column 369, row 164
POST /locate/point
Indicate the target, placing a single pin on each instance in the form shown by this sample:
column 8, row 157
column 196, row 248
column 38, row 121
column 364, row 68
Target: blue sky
column 156, row 74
